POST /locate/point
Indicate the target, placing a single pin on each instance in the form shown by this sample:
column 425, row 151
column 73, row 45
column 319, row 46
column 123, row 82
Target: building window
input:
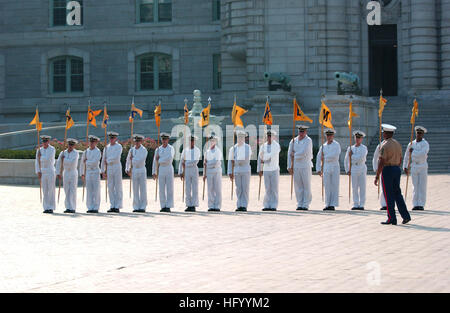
column 154, row 72
column 217, row 71
column 216, row 10
column 154, row 11
column 66, row 75
column 58, row 12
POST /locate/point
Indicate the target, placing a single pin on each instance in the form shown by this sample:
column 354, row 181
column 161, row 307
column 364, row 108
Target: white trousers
column 70, row 183
column 214, row 181
column 139, row 181
column 419, row 179
column 93, row 190
column 48, row 191
column 331, row 185
column 165, row 179
column 271, row 179
column 115, row 191
column 359, row 188
column 191, row 186
column 302, row 186
column 242, row 189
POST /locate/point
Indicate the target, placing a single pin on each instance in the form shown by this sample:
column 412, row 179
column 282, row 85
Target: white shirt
column 240, row 153
column 303, row 153
column 92, row 157
column 47, row 160
column 213, row 158
column 331, row 153
column 113, row 154
column 190, row 157
column 70, row 163
column 419, row 155
column 359, row 155
column 270, row 155
column 165, row 157
column 139, row 158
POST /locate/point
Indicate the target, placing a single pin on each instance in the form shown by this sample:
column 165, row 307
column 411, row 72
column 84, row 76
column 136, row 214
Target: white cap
column 388, row 128
column 420, row 128
column 359, row 133
column 330, row 131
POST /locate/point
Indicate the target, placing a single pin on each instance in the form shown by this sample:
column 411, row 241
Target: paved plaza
column 283, row 251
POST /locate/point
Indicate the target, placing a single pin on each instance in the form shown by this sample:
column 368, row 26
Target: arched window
column 154, row 72
column 66, row 75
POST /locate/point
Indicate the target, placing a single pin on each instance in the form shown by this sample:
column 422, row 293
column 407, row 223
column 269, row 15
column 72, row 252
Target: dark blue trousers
column 392, row 192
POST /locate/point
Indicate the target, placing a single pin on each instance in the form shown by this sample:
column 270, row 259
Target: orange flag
column 69, row 120
column 158, row 115
column 236, row 115
column 186, row 114
column 383, row 102
column 267, row 117
column 325, row 116
column 298, row 113
column 351, row 115
column 204, row 120
column 92, row 115
column 415, row 112
column 36, row 122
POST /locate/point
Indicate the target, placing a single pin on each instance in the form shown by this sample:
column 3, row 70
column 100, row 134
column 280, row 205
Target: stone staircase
column 433, row 115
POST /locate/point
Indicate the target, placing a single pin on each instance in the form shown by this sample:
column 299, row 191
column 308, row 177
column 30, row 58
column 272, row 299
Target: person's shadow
column 428, row 228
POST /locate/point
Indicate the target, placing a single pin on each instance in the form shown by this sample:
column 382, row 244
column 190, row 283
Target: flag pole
column 380, row 117
column 39, row 156
column 131, row 144
column 409, row 160
column 232, row 161
column 264, row 140
column 293, row 137
column 62, row 161
column 204, row 170
column 87, row 121
column 350, row 158
column 321, row 158
column 157, row 163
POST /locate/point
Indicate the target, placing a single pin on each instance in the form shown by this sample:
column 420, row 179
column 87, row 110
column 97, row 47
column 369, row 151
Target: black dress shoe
column 300, row 208
column 190, row 209
column 383, row 208
column 418, row 208
column 389, row 222
column 48, row 211
column 213, row 210
column 357, row 209
column 92, row 211
column 69, row 211
column 165, row 210
column 406, row 220
column 354, row 208
column 269, row 209
column 139, row 211
column 241, row 209
column 111, row 210
column 326, row 208
column 332, row 208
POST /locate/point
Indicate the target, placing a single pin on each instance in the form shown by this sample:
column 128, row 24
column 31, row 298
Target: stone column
column 424, row 49
column 445, row 43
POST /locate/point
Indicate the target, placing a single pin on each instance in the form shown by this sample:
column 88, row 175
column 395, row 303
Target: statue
column 281, row 81
column 347, row 83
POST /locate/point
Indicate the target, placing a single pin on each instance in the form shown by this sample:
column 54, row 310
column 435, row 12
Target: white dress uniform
column 47, row 169
column 138, row 176
column 111, row 156
column 69, row 176
column 242, row 170
column 191, row 158
column 358, row 173
column 376, row 156
column 213, row 158
column 92, row 157
column 165, row 176
column 271, row 170
column 419, row 170
column 331, row 171
column 303, row 154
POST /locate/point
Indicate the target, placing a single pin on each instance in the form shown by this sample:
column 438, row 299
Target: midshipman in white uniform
column 67, row 167
column 419, row 167
column 240, row 155
column 89, row 166
column 301, row 150
column 112, row 171
column 45, row 169
column 358, row 171
column 213, row 174
column 268, row 165
column 163, row 171
column 188, row 170
column 135, row 167
column 331, row 169
column 376, row 157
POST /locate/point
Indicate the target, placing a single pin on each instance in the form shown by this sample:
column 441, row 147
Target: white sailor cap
column 138, row 137
column 420, row 129
column 271, row 132
column 164, row 135
column 45, row 138
column 93, row 138
column 72, row 141
column 241, row 133
column 302, row 127
column 388, row 128
column 329, row 131
column 359, row 134
column 213, row 137
column 113, row 134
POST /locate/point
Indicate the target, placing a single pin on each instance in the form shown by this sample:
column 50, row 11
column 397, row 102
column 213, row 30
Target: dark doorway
column 383, row 60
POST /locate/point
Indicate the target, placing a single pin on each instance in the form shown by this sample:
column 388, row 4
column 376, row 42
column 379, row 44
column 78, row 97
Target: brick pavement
column 284, row 251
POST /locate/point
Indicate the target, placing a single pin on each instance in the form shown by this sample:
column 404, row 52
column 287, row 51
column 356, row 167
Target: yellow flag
column 186, row 114
column 105, row 118
column 351, row 115
column 36, row 122
column 92, row 115
column 267, row 117
column 298, row 114
column 69, row 120
column 204, row 120
column 158, row 115
column 325, row 116
column 236, row 115
column 134, row 112
column 415, row 112
column 382, row 104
